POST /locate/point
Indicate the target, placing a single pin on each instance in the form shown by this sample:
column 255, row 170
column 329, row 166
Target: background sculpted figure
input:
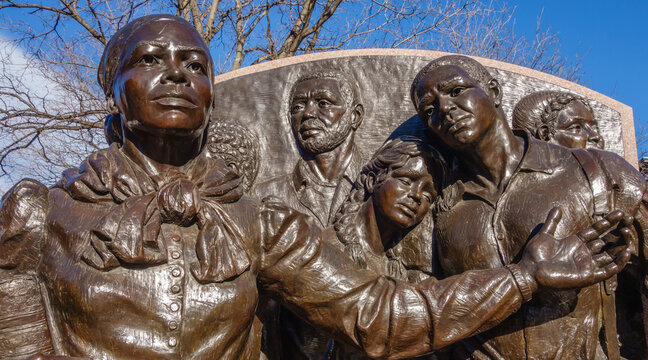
column 558, row 117
column 324, row 112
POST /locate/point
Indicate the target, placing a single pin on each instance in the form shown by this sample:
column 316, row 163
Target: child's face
column 576, row 128
column 405, row 196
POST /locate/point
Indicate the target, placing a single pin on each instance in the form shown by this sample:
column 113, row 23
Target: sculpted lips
column 457, row 125
column 175, row 100
column 309, row 129
column 408, row 210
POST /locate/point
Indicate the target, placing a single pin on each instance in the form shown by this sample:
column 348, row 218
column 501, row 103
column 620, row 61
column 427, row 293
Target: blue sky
column 610, row 38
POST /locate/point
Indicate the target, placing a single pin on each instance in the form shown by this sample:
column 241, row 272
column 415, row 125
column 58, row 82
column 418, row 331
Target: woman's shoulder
column 23, row 210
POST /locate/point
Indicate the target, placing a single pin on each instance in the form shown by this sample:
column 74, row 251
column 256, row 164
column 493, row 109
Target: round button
column 173, row 341
column 175, row 238
column 176, row 272
column 173, row 325
column 175, row 307
column 175, row 289
column 175, row 254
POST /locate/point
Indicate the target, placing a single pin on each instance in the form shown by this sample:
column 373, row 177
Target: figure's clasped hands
column 594, row 254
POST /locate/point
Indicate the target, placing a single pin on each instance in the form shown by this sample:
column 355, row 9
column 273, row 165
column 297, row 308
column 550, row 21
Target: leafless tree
column 52, row 114
column 642, row 139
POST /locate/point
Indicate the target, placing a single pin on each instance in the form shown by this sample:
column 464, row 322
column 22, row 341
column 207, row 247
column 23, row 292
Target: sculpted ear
column 369, row 182
column 495, row 91
column 543, row 132
column 357, row 116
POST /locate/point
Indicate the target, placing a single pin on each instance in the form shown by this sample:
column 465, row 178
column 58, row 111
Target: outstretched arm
column 391, row 319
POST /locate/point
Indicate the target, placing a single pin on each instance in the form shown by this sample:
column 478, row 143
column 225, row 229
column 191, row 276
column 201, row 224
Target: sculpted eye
column 148, row 59
column 457, row 91
column 427, row 196
column 196, row 67
column 404, row 181
column 297, row 108
column 429, row 111
column 323, row 103
column 575, row 128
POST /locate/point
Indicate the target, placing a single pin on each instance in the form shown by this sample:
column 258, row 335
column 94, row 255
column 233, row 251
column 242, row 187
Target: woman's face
column 164, row 83
column 404, row 197
column 575, row 128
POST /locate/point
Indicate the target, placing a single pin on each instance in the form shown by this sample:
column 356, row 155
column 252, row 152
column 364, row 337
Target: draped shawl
column 138, row 200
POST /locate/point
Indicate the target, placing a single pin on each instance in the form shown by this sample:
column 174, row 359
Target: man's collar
column 303, row 176
column 538, row 155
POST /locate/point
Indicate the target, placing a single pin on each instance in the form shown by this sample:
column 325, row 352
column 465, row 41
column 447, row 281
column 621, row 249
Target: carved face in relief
column 164, row 81
column 575, row 128
column 455, row 107
column 320, row 115
column 404, row 197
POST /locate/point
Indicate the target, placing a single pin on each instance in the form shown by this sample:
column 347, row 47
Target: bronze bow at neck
column 139, row 200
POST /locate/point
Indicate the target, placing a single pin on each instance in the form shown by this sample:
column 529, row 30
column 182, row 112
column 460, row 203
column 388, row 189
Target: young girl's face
column 404, row 197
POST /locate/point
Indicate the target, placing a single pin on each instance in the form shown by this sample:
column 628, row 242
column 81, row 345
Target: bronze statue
column 393, row 193
column 566, row 119
column 325, row 110
column 150, row 250
column 500, row 182
column 558, row 117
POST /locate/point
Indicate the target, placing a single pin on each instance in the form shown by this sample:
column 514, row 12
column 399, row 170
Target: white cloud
column 20, row 74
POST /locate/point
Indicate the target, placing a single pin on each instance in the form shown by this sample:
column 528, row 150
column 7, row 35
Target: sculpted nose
column 417, row 192
column 446, row 105
column 310, row 111
column 595, row 138
column 175, row 75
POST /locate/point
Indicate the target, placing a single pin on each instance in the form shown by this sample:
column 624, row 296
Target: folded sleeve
column 384, row 317
column 22, row 216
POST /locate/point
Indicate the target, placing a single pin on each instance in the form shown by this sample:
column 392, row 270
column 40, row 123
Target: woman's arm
column 392, row 319
column 22, row 216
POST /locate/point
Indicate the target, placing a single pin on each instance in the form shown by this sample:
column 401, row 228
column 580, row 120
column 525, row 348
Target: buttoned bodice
column 135, row 311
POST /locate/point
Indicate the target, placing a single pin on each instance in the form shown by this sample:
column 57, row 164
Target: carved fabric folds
column 129, row 232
